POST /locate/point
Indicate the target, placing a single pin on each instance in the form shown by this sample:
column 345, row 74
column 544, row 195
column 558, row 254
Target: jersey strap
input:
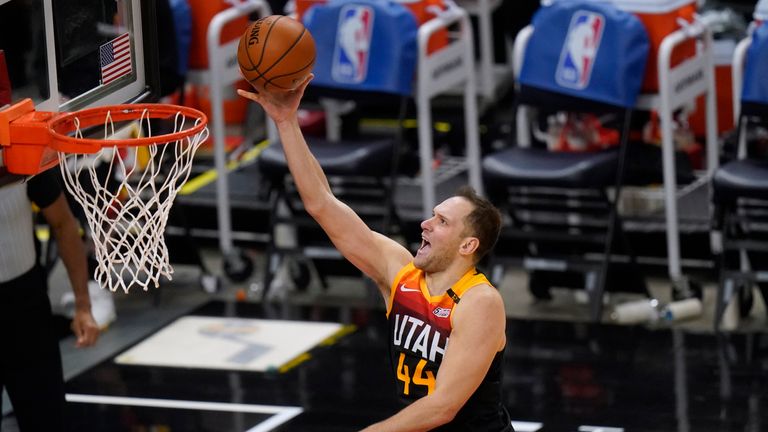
column 456, row 299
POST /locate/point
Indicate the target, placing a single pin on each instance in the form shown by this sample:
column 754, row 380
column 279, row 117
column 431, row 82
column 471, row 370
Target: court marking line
column 290, row 364
column 276, row 420
column 281, row 413
column 440, row 126
column 590, row 428
column 526, row 426
column 332, row 339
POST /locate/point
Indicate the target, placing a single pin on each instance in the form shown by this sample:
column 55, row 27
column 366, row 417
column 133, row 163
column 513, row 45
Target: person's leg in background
column 30, row 366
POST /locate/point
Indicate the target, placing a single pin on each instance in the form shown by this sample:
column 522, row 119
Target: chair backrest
column 754, row 92
column 586, row 50
column 364, row 45
column 761, row 11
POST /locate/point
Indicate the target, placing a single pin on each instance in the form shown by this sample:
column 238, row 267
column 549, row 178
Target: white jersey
column 17, row 246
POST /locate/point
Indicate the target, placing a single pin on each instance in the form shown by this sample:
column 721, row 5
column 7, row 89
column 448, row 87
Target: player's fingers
column 248, row 95
column 90, row 335
column 88, row 339
column 86, row 331
column 77, row 329
column 305, row 83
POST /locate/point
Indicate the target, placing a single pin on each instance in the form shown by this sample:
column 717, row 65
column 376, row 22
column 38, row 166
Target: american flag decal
column 115, row 58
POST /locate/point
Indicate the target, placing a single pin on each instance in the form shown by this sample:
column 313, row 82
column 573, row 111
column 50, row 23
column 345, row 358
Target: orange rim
column 62, row 125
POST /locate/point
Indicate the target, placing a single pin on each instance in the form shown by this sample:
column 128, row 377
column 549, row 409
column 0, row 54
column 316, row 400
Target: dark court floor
column 564, row 376
column 560, row 374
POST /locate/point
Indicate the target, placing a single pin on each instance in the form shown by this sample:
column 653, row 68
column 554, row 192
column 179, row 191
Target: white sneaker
column 102, row 305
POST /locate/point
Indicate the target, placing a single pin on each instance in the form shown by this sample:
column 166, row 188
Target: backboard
column 69, row 55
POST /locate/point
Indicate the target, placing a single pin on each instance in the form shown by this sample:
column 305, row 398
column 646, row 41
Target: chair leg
column 272, row 256
column 596, row 294
column 627, row 247
column 594, row 285
column 729, row 283
column 598, row 286
column 272, row 260
column 725, row 294
column 390, row 215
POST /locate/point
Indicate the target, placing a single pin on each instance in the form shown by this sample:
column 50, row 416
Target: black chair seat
column 741, row 179
column 537, row 167
column 342, row 158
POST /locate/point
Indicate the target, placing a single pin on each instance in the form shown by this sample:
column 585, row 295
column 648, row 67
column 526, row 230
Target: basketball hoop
column 127, row 210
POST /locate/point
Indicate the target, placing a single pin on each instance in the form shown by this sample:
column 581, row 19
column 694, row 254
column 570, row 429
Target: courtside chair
column 740, row 186
column 581, row 57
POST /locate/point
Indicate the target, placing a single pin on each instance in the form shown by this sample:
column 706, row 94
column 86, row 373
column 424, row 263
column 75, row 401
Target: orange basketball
column 276, row 52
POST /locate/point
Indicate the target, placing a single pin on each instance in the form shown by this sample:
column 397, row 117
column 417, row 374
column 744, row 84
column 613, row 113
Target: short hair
column 483, row 222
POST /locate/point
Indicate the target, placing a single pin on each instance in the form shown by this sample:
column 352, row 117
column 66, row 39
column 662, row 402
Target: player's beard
column 434, row 261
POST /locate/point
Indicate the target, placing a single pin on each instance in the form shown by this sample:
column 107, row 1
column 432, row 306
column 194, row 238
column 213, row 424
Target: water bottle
column 681, row 310
column 636, row 312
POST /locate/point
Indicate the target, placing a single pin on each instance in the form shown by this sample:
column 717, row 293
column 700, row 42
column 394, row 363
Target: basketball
column 276, row 52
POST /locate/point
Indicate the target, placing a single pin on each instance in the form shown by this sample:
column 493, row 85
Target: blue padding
column 367, row 45
column 182, row 25
column 587, row 49
column 756, row 68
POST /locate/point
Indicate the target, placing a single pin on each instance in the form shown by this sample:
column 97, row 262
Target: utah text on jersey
column 419, row 348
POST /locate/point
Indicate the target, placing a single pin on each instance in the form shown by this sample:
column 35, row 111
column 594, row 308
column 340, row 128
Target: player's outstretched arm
column 479, row 323
column 376, row 255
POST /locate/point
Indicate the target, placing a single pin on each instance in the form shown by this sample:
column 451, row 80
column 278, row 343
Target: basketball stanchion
column 126, row 209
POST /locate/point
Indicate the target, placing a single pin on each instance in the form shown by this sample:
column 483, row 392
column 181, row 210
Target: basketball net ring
column 127, row 209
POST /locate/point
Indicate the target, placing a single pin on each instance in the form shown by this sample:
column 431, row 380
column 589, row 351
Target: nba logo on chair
column 353, row 44
column 574, row 69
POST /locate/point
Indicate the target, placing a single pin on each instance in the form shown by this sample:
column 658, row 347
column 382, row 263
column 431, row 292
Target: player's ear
column 469, row 245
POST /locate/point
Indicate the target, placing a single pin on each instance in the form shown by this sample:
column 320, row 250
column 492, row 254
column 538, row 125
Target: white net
column 127, row 204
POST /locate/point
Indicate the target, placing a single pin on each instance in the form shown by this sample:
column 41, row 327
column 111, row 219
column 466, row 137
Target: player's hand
column 280, row 105
column 85, row 328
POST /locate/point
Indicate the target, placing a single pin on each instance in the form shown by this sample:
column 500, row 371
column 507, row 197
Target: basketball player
column 430, row 298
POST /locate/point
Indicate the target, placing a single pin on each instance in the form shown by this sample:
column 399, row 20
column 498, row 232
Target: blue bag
column 367, row 45
column 590, row 50
column 755, row 88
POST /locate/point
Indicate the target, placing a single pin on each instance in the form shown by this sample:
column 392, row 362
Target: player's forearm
column 307, row 174
column 72, row 253
column 425, row 414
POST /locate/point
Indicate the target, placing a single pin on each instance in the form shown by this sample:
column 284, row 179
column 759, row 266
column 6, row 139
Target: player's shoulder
column 483, row 295
column 482, row 300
